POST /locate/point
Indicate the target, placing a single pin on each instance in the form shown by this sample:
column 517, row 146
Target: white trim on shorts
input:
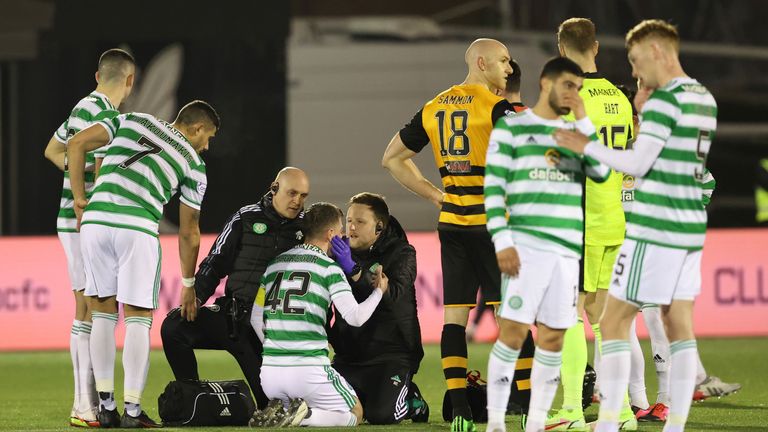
column 647, row 273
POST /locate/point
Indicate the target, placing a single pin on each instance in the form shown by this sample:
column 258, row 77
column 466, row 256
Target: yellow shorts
column 598, row 266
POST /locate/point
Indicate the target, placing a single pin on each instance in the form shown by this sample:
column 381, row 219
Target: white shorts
column 648, row 273
column 320, row 386
column 545, row 290
column 71, row 243
column 121, row 262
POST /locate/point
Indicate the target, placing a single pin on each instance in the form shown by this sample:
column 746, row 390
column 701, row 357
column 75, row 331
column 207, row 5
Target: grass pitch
column 37, row 387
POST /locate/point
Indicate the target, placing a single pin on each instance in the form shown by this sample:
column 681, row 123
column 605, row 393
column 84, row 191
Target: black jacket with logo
column 251, row 238
column 392, row 333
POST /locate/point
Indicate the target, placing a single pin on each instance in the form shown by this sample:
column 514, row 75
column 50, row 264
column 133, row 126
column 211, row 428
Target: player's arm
column 402, row 282
column 398, row 161
column 189, row 246
column 659, row 117
column 708, row 184
column 257, row 312
column 56, row 150
column 595, row 170
column 499, row 160
column 354, row 313
column 88, row 139
column 221, row 257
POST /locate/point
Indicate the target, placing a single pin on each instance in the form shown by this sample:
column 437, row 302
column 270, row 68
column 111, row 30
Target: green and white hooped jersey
column 668, row 208
column 300, row 285
column 92, row 108
column 533, row 188
column 147, row 162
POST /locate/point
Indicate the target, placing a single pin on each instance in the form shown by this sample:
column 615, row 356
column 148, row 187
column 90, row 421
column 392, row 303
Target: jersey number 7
column 152, row 148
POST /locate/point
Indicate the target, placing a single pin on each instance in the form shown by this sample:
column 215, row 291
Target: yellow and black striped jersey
column 458, row 124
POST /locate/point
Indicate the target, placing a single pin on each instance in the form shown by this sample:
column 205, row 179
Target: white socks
column 501, row 371
column 682, row 374
column 660, row 348
column 135, row 361
column 614, row 377
column 73, row 352
column 103, row 356
column 322, row 418
column 545, row 378
column 87, row 398
column 701, row 374
column 637, row 395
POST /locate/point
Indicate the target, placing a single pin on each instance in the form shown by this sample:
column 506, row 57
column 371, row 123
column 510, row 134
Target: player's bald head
column 484, row 48
column 293, row 176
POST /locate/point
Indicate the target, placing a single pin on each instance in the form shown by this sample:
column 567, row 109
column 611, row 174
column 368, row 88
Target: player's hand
column 576, row 104
column 79, row 208
column 189, row 303
column 380, row 280
column 642, row 95
column 342, row 253
column 438, row 199
column 509, row 261
column 572, row 140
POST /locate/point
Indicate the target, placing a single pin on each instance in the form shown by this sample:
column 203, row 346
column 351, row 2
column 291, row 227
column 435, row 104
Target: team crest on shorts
column 516, row 302
column 395, row 380
column 259, row 228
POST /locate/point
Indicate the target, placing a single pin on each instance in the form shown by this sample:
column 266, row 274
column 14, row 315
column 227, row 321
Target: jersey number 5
column 274, row 302
column 152, row 148
column 458, row 123
column 702, row 151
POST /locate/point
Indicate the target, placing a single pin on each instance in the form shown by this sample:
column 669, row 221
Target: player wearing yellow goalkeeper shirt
column 611, row 114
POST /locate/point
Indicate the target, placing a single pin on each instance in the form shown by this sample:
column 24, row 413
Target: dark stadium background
column 235, row 57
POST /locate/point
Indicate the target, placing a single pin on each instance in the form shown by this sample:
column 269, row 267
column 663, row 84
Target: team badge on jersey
column 516, row 302
column 259, row 228
column 553, row 157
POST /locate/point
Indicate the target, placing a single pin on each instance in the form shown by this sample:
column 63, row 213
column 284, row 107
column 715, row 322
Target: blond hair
column 653, row 28
column 577, row 33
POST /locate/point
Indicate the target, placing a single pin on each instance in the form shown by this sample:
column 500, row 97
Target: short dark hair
column 577, row 34
column 377, row 205
column 653, row 28
column 513, row 80
column 113, row 62
column 319, row 217
column 558, row 66
column 198, row 111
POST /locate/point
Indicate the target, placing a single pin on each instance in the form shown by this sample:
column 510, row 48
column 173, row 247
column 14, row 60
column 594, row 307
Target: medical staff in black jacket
column 380, row 358
column 251, row 238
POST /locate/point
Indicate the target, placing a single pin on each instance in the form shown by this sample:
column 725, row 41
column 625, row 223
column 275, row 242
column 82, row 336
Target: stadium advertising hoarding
column 36, row 303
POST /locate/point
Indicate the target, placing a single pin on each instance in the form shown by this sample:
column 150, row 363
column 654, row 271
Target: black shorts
column 382, row 389
column 469, row 261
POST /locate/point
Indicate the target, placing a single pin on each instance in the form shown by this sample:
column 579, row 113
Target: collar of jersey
column 104, row 97
column 312, row 247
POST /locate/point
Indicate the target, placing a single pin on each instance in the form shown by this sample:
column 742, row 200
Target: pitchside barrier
column 37, row 305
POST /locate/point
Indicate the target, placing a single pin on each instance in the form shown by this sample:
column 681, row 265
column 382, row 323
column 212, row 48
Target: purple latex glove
column 343, row 254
